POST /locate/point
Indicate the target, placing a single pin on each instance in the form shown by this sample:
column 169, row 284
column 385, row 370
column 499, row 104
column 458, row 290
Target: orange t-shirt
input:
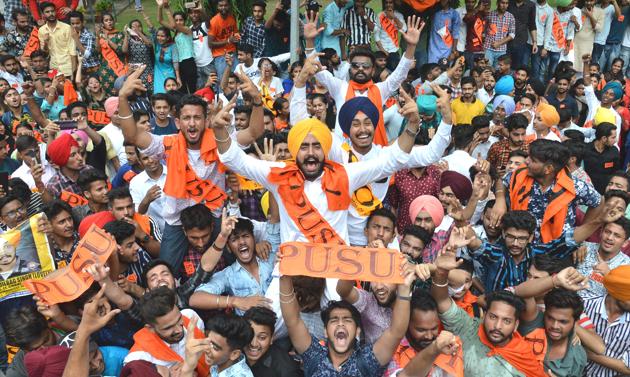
column 221, row 29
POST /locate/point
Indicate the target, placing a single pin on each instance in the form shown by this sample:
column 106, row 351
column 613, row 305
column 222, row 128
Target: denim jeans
column 493, row 57
column 597, row 52
column 611, row 51
column 543, row 68
column 625, row 55
column 203, row 73
column 520, row 55
column 220, row 64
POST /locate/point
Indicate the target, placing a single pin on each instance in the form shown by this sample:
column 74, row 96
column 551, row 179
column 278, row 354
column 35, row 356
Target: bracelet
column 215, row 247
column 289, row 301
column 123, row 117
column 404, row 298
column 411, row 133
column 224, row 140
column 287, row 294
column 439, row 285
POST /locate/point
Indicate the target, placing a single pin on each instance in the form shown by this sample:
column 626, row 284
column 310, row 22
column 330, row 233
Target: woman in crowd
column 107, row 32
column 184, row 43
column 166, row 60
column 139, row 50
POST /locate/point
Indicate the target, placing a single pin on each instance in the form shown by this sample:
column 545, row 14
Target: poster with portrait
column 24, row 254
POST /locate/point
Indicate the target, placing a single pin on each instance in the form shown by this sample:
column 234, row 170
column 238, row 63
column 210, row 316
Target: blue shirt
column 361, row 363
column 171, row 129
column 119, row 179
column 333, row 17
column 585, row 194
column 235, row 280
column 238, row 369
column 444, row 21
column 501, row 271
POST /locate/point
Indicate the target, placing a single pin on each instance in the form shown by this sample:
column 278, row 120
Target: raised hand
column 410, row 110
column 267, row 154
column 414, row 28
column 95, row 317
column 263, row 249
column 443, row 103
column 447, row 259
column 194, row 347
column 98, row 271
column 310, row 27
column 424, row 270
column 227, row 223
column 244, row 303
column 133, row 83
column 570, row 279
column 459, row 237
column 223, row 118
column 247, row 86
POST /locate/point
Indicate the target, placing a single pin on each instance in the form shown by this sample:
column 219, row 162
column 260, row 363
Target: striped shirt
column 500, row 269
column 616, row 336
column 358, row 26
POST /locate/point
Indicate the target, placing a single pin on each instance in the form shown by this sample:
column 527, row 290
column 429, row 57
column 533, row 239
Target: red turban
column 59, row 149
column 99, row 218
column 47, row 362
column 461, row 186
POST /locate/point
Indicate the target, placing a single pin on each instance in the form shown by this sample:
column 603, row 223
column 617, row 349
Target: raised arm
column 385, row 346
column 113, row 292
column 297, row 104
column 300, row 337
column 347, row 291
column 606, row 214
column 422, row 364
column 444, row 262
column 256, row 126
column 141, row 139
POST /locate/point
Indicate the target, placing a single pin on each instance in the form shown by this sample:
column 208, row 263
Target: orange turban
column 309, row 126
column 617, row 283
column 548, row 114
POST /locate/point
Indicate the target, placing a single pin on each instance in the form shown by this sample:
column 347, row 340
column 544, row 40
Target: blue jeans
column 611, row 51
column 220, row 64
column 543, row 68
column 625, row 55
column 493, row 57
column 597, row 52
column 520, row 55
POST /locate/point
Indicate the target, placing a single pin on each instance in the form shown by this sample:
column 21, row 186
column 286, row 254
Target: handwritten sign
column 68, row 283
column 341, row 261
column 73, row 199
column 97, row 117
column 24, row 254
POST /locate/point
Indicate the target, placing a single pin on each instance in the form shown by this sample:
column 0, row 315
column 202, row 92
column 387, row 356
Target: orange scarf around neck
column 517, row 352
column 467, row 303
column 563, row 193
column 181, row 181
column 374, row 94
column 290, row 181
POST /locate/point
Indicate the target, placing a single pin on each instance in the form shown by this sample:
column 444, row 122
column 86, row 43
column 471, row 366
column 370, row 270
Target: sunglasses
column 357, row 65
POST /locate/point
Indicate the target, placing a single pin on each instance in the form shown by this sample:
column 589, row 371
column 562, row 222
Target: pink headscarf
column 429, row 204
column 111, row 105
column 80, row 133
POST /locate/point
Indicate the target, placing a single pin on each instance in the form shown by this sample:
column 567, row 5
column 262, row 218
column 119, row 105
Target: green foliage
column 104, row 6
column 241, row 8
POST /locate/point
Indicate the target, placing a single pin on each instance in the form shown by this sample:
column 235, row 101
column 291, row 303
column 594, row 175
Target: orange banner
column 97, row 117
column 32, row 44
column 342, row 262
column 73, row 199
column 68, row 283
column 112, row 59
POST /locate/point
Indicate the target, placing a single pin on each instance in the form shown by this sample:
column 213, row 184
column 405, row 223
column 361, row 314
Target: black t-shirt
column 276, row 363
column 97, row 158
column 599, row 166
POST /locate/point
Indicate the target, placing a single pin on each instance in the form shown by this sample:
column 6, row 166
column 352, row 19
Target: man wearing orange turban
column 610, row 315
column 546, row 118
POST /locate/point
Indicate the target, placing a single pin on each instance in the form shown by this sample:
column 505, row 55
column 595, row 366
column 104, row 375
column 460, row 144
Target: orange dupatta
column 32, row 44
column 518, row 352
column 374, row 94
column 181, row 181
column 311, row 223
column 109, row 55
column 467, row 302
column 390, row 28
column 556, row 212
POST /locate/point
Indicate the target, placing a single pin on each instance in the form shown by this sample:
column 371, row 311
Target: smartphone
column 4, row 181
column 67, row 124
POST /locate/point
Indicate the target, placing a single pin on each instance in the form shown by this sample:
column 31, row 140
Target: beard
column 419, row 344
column 311, row 174
column 362, row 79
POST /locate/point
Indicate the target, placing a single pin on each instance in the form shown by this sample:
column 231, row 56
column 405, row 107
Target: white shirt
column 460, row 161
column 253, row 71
column 116, row 138
column 338, row 88
column 483, row 148
column 172, row 206
column 380, row 35
column 202, row 52
column 484, row 96
column 140, row 185
column 179, row 347
column 275, row 88
column 359, row 175
column 24, row 172
column 15, row 81
column 342, row 71
column 461, row 39
column 594, row 104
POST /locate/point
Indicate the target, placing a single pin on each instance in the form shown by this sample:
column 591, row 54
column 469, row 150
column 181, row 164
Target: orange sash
column 558, row 32
column 73, row 199
column 147, row 341
column 563, row 193
column 420, row 5
column 374, row 94
column 143, row 222
column 467, row 303
column 453, row 365
column 389, row 27
column 478, row 27
column 538, row 341
column 128, row 176
column 518, row 352
column 109, row 55
column 447, row 38
column 97, row 117
column 181, row 181
column 69, row 93
column 363, row 199
column 305, row 216
column 32, row 44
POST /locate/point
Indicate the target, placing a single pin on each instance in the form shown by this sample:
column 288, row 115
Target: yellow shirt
column 61, row 47
column 465, row 112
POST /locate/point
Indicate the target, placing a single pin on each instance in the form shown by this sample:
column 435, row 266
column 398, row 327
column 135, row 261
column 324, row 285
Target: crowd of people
column 487, row 146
